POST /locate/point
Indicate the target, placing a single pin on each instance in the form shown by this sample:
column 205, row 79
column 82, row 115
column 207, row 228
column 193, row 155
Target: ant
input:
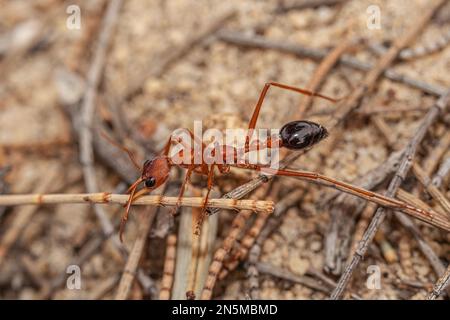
column 295, row 135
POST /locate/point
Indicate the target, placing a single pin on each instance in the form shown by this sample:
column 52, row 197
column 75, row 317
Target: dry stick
column 307, row 4
column 321, row 73
column 104, row 287
column 254, row 41
column 368, row 84
column 219, row 256
column 286, row 275
column 4, row 187
column 87, row 110
column 431, row 162
column 154, row 200
column 344, row 210
column 432, row 190
column 409, row 225
column 440, row 285
column 410, row 151
column 24, row 215
column 253, row 273
column 416, row 52
column 134, row 257
column 442, row 172
column 169, row 267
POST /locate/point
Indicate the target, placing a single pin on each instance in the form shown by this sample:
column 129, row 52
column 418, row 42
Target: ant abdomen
column 301, row 134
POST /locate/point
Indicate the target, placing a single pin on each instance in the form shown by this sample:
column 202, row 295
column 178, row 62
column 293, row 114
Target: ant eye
column 150, row 182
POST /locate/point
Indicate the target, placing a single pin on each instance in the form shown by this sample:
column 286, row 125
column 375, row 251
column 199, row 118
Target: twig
column 254, row 231
column 286, row 275
column 345, row 209
column 440, row 285
column 321, row 72
column 255, row 41
column 87, row 110
column 253, row 272
column 432, row 190
column 154, row 200
column 417, row 52
column 219, row 256
column 24, row 215
column 4, row 187
column 131, row 266
column 169, row 267
column 307, row 4
column 432, row 161
column 407, row 223
column 406, row 163
column 104, row 287
column 442, row 172
column 368, row 83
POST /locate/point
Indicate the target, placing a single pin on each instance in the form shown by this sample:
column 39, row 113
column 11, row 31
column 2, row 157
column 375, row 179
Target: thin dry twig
column 321, row 73
column 432, row 161
column 440, row 285
column 284, row 274
column 154, row 200
column 442, row 172
column 87, row 109
column 422, row 50
column 134, row 257
column 307, row 4
column 432, row 190
column 368, row 83
column 406, row 163
column 219, row 256
column 260, row 42
column 24, row 215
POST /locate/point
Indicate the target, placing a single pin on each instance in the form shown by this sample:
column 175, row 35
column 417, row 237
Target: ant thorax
column 229, row 147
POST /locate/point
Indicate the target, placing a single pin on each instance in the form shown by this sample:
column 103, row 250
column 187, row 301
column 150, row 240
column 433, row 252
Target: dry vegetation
column 144, row 68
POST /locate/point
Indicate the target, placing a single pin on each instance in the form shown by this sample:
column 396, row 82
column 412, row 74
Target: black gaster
column 301, row 134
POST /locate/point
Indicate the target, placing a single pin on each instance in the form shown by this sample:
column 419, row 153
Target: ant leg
column 187, row 178
column 205, row 202
column 254, row 118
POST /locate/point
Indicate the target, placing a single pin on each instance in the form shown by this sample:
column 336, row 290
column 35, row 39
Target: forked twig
column 406, row 163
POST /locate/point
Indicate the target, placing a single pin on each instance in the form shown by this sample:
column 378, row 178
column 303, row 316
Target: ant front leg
column 262, row 96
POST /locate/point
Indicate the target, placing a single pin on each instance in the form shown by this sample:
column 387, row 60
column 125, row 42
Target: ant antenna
column 117, row 145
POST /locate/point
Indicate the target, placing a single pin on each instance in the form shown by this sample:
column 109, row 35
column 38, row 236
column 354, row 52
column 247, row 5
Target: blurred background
column 137, row 70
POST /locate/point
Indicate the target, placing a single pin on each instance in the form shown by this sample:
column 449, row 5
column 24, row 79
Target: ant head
column 155, row 172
